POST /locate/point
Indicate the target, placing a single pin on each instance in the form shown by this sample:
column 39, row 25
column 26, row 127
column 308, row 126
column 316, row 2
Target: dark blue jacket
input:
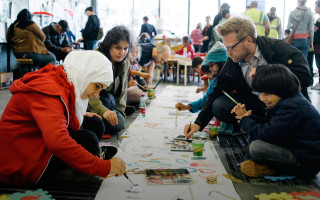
column 293, row 123
column 91, row 30
column 149, row 28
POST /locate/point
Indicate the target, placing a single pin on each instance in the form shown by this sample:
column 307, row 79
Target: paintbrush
column 125, row 175
column 177, row 117
column 230, row 97
column 189, row 129
column 130, row 170
column 157, row 84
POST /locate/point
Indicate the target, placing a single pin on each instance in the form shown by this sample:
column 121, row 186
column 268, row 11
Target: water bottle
column 142, row 106
column 185, row 54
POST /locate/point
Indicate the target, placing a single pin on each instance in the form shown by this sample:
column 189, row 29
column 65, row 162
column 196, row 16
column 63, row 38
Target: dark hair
column 273, row 9
column 206, row 68
column 317, row 3
column 199, row 25
column 145, row 18
column 287, row 31
column 114, row 36
column 224, row 12
column 64, row 25
column 144, row 35
column 224, row 6
column 89, row 8
column 276, row 79
column 196, row 61
column 186, row 39
column 23, row 21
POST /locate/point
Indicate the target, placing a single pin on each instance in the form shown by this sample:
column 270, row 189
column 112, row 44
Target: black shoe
column 129, row 110
column 107, row 152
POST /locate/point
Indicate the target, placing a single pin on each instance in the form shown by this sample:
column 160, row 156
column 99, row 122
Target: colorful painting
column 168, row 176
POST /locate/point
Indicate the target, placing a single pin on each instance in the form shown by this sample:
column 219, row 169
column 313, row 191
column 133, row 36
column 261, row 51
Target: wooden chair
column 25, row 66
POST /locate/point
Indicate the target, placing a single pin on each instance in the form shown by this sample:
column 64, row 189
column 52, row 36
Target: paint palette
column 168, row 176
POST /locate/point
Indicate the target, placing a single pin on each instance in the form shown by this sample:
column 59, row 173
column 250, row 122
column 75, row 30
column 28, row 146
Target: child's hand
column 145, row 75
column 240, row 111
column 199, row 90
column 181, row 106
column 247, row 114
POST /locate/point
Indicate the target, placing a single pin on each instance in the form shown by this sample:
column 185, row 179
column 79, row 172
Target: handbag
column 289, row 38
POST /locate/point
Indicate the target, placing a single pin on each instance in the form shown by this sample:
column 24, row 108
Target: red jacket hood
column 50, row 80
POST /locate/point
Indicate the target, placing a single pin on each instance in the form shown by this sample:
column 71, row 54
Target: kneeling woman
column 39, row 129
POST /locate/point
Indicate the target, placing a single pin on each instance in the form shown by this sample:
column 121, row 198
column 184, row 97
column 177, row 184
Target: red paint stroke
column 201, row 163
column 31, row 197
column 207, row 170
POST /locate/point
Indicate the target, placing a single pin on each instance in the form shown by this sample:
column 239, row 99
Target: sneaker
column 107, row 152
column 252, row 169
column 129, row 110
column 316, row 87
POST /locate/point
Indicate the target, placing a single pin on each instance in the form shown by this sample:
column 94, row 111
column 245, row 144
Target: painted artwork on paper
column 168, row 176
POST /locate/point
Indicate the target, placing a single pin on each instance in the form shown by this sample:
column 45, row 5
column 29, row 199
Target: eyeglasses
column 231, row 48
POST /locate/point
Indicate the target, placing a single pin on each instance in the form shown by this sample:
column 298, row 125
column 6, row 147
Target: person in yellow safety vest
column 259, row 18
column 275, row 24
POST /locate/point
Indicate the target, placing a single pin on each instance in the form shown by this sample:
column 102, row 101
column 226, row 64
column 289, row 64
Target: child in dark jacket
column 287, row 140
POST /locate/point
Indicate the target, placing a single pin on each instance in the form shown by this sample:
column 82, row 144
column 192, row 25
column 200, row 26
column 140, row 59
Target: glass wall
column 199, row 10
column 111, row 14
column 173, row 18
column 143, row 8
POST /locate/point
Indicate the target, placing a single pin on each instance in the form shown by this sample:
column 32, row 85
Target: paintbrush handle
column 125, row 175
column 157, row 84
column 232, row 99
column 130, row 170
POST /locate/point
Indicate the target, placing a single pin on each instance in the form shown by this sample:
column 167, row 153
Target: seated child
column 196, row 66
column 287, row 140
column 186, row 42
column 215, row 59
column 144, row 38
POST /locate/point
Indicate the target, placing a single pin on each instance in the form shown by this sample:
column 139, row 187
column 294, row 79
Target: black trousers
column 88, row 137
column 222, row 106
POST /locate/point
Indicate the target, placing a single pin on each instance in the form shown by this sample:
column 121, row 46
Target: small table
column 185, row 63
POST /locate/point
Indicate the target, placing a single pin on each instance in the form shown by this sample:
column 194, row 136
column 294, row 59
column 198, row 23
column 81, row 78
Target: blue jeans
column 90, row 44
column 301, row 44
column 277, row 157
column 109, row 102
column 40, row 60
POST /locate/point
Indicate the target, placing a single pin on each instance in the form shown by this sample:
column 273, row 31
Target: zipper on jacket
column 52, row 154
column 66, row 109
column 44, row 169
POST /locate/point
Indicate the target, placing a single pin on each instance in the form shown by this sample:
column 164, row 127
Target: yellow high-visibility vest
column 273, row 28
column 257, row 17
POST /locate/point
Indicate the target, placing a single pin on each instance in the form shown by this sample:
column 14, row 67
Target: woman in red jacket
column 39, row 128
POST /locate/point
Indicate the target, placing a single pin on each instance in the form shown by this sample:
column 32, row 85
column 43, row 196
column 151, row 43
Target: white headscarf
column 82, row 68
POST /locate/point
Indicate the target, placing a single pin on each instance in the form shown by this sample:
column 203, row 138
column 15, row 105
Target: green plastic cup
column 197, row 147
column 151, row 93
column 213, row 131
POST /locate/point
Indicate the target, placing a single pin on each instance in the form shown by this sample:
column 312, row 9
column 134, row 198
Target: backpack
column 100, row 34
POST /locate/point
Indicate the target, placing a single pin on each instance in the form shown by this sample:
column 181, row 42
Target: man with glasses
column 152, row 55
column 246, row 52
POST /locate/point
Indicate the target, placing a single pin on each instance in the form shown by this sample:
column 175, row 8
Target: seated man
column 247, row 52
column 57, row 40
column 152, row 55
